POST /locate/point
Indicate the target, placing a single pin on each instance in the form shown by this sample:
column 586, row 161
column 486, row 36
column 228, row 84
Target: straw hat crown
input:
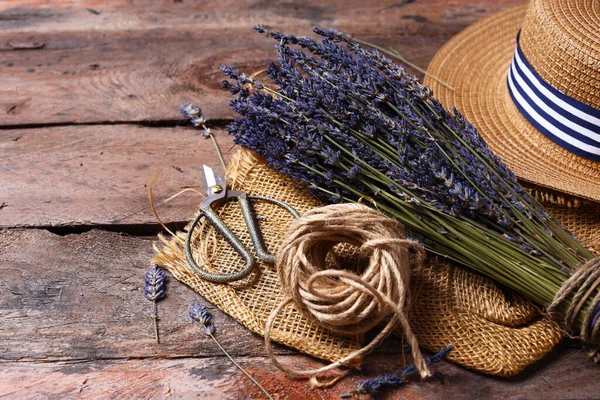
column 528, row 78
column 561, row 41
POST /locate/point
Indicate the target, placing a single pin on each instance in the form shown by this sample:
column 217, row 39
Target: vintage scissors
column 216, row 190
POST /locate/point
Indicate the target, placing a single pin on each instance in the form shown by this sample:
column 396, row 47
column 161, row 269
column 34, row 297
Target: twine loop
column 574, row 294
column 337, row 298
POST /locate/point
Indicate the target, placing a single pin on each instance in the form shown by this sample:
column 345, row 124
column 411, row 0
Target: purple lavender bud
column 198, row 121
column 259, row 28
column 440, row 355
column 154, row 288
column 190, row 111
column 153, row 293
column 229, row 71
column 354, row 172
column 199, row 313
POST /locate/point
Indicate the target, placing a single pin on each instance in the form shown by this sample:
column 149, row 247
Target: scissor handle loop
column 218, row 224
column 253, row 229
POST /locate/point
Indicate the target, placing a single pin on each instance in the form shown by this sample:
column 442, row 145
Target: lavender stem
column 155, row 318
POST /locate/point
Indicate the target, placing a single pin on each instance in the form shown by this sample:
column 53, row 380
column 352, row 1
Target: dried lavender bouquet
column 350, row 124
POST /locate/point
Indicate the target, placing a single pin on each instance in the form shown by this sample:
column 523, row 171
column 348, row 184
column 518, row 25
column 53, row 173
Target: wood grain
column 568, row 375
column 74, row 322
column 62, row 64
column 89, row 98
column 80, row 297
column 98, row 175
column 383, row 16
column 116, row 62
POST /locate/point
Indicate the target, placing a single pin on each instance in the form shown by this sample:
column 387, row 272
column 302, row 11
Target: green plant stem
column 217, row 148
column 155, row 318
column 479, row 251
column 240, row 367
column 394, row 53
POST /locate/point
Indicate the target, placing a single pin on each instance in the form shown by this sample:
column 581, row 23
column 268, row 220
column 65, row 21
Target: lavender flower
column 200, row 313
column 154, row 290
column 398, row 378
column 350, row 97
column 190, row 111
column 194, row 114
column 155, row 283
column 348, row 123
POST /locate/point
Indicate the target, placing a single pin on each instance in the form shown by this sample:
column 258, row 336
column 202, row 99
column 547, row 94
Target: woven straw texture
column 561, row 40
column 494, row 331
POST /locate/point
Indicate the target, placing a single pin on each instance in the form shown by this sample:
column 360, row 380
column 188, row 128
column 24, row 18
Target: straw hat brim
column 475, row 63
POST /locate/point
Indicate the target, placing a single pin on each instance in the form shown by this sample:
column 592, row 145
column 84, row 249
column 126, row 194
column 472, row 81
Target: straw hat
column 542, row 118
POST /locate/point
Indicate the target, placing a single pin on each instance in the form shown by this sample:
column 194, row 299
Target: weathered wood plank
column 73, row 317
column 89, row 76
column 380, row 16
column 89, row 175
column 135, row 379
column 568, row 376
column 80, row 297
column 142, row 61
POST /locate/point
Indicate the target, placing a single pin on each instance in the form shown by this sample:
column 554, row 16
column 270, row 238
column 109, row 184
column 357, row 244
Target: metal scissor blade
column 209, row 179
column 213, row 184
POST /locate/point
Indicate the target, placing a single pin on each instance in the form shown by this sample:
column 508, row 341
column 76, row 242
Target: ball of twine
column 341, row 300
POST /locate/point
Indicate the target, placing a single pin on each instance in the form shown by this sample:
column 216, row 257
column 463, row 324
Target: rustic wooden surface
column 89, row 99
column 75, row 323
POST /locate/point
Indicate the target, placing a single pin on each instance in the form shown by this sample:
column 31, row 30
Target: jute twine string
column 573, row 294
column 337, row 298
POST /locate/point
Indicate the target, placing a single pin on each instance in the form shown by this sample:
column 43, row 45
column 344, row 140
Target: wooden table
column 90, row 93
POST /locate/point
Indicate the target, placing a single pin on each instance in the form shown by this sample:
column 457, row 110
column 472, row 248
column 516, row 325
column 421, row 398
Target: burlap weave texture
column 493, row 330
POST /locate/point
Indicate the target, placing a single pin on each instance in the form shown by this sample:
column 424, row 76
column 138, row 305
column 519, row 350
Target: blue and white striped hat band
column 537, row 107
column 566, row 121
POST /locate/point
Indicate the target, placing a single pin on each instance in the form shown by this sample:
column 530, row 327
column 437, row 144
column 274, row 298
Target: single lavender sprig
column 199, row 313
column 154, row 290
column 398, row 378
column 194, row 114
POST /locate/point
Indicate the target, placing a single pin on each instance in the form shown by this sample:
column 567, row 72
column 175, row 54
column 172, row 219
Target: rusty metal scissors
column 216, row 190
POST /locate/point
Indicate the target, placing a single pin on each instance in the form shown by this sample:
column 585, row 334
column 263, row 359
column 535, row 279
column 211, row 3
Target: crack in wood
column 134, row 358
column 150, row 229
column 218, row 123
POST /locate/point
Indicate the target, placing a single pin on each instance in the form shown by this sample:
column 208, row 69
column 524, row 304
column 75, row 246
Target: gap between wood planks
column 168, row 123
column 66, row 360
column 140, row 230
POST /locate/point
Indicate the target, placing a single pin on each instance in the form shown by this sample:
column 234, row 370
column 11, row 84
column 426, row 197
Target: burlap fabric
column 493, row 331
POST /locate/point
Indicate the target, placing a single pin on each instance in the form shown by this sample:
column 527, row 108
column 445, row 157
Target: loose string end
column 317, row 291
column 151, row 199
